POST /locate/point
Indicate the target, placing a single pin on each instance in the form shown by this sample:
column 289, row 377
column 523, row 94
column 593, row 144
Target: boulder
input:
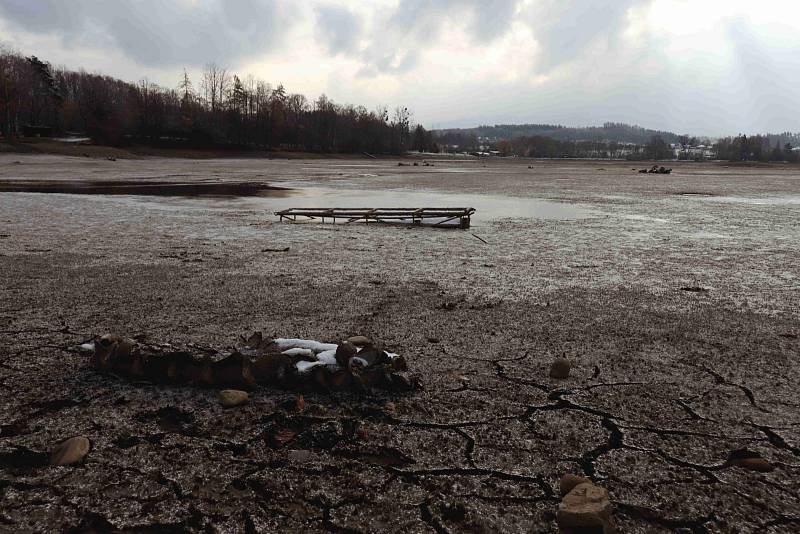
column 70, row 451
column 560, row 368
column 586, row 508
column 568, row 482
column 359, row 341
column 344, row 352
column 233, row 397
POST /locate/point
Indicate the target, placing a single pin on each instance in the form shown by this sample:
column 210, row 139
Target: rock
column 70, row 451
column 585, row 507
column 344, row 352
column 560, row 368
column 747, row 459
column 569, row 481
column 233, row 370
column 371, row 355
column 754, row 464
column 233, row 397
column 359, row 341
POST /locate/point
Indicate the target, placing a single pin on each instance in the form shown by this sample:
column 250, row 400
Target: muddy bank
column 151, row 187
column 666, row 383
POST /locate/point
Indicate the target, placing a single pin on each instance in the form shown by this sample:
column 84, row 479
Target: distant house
column 693, row 152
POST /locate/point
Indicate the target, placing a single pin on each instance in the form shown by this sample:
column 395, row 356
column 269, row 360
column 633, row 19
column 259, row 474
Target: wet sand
column 666, row 382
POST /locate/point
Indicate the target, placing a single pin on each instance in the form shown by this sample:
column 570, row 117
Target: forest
column 220, row 109
column 772, row 147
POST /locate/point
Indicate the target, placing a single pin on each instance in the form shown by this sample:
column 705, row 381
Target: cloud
column 564, row 29
column 339, row 27
column 401, row 36
column 158, row 33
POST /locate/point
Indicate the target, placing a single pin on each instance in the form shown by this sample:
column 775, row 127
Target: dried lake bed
column 676, row 298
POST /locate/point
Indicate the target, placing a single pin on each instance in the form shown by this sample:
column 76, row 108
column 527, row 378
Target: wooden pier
column 438, row 217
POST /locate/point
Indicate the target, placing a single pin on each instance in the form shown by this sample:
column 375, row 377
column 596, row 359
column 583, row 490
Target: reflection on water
column 488, row 207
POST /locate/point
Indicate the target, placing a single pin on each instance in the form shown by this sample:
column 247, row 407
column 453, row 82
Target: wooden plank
column 416, row 215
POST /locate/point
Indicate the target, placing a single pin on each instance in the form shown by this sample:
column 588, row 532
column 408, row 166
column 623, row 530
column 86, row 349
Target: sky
column 704, row 67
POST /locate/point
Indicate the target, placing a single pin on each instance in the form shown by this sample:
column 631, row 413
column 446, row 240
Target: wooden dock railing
column 439, row 217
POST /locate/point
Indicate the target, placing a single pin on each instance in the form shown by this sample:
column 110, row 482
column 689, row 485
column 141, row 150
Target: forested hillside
column 610, row 131
column 219, row 109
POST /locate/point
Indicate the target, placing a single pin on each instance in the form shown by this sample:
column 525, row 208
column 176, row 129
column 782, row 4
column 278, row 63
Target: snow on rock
column 304, row 367
column 297, row 351
column 327, row 357
column 312, row 345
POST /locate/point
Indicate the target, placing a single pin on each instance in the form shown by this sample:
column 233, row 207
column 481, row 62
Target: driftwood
column 361, row 367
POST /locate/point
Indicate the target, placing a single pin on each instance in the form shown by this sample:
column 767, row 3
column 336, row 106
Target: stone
column 560, row 368
column 754, row 464
column 233, row 397
column 568, row 482
column 344, row 352
column 586, row 507
column 70, row 451
column 751, row 460
column 359, row 341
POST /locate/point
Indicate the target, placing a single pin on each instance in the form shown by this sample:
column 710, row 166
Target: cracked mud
column 679, row 317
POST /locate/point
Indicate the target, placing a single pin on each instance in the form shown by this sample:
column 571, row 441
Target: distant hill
column 610, row 131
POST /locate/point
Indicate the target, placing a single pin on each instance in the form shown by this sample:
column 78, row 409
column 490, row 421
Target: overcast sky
column 705, row 67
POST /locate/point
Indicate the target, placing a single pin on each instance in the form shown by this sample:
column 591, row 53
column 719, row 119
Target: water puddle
column 488, row 207
column 238, row 195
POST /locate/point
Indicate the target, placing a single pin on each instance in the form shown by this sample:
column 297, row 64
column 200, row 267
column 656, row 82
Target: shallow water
column 488, row 207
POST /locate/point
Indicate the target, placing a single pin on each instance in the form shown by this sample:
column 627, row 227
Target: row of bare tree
column 222, row 109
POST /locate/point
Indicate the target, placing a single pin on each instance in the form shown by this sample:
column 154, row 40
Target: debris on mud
column 586, row 508
column 694, row 289
column 357, row 364
column 71, row 451
column 655, row 169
